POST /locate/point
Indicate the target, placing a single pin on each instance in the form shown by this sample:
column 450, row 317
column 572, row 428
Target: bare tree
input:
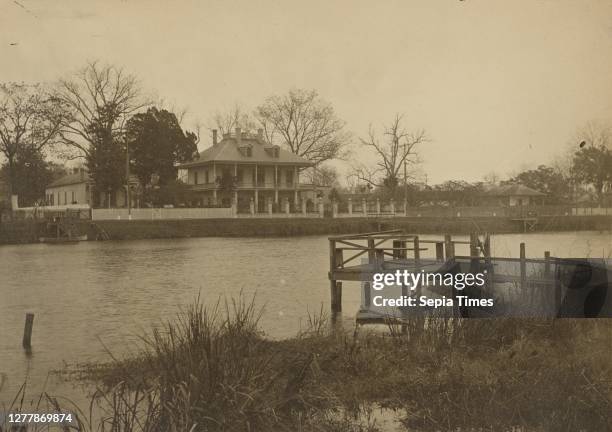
column 228, row 121
column 30, row 120
column 97, row 97
column 304, row 123
column 393, row 149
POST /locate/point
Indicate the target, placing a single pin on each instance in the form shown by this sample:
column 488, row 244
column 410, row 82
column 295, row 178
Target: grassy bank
column 30, row 231
column 213, row 370
column 124, row 230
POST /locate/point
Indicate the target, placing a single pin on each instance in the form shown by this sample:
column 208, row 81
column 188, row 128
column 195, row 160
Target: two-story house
column 242, row 167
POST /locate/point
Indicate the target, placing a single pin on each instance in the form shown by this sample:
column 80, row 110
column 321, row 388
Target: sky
column 497, row 85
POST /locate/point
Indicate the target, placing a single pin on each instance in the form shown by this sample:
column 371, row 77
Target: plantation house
column 243, row 168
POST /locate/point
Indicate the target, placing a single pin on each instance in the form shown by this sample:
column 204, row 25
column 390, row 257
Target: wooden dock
column 359, row 257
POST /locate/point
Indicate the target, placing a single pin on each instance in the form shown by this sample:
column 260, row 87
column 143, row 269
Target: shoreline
column 29, row 231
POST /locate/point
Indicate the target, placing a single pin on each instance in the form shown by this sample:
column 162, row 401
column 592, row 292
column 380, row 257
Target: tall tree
column 392, row 150
column 228, row 121
column 304, row 123
column 33, row 174
column 592, row 162
column 30, row 120
column 99, row 99
column 157, row 143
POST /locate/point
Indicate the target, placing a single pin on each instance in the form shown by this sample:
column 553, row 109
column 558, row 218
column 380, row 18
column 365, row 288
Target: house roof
column 513, row 190
column 227, row 150
column 78, row 178
column 70, row 179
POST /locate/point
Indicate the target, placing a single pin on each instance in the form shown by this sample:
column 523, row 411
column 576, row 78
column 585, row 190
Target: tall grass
column 213, row 370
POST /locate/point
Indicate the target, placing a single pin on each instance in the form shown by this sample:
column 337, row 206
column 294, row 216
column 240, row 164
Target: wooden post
column 450, row 247
column 337, row 297
column 27, row 331
column 417, row 262
column 523, row 265
column 335, row 307
column 367, row 294
column 396, row 251
column 439, row 251
column 371, row 253
column 380, row 258
column 487, row 248
column 474, row 254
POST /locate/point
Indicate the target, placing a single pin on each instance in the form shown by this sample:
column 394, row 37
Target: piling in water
column 27, row 331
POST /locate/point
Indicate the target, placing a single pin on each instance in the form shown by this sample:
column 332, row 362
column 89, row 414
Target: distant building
column 73, row 188
column 77, row 188
column 242, row 167
column 512, row 195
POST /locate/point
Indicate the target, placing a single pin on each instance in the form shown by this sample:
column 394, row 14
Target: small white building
column 70, row 189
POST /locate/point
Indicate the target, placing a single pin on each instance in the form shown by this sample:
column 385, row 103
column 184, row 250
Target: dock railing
column 357, row 257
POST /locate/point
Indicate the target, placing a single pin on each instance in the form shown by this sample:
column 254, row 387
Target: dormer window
column 246, row 150
column 273, row 151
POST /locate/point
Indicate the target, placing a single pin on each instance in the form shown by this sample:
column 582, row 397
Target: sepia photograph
column 321, row 216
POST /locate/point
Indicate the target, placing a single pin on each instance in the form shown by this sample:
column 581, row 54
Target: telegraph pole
column 127, row 177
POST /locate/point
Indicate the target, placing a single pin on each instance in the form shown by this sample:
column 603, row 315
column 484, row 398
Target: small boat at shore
column 63, row 240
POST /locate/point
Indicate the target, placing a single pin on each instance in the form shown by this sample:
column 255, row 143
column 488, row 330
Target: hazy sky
column 498, row 85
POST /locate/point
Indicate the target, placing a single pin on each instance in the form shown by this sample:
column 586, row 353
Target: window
column 195, row 177
column 73, row 198
column 59, row 199
column 249, row 151
column 289, row 177
column 206, row 176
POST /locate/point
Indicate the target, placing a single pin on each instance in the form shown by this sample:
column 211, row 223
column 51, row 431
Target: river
column 93, row 298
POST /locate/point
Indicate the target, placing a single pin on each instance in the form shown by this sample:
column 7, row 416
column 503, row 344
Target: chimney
column 214, row 137
column 238, row 135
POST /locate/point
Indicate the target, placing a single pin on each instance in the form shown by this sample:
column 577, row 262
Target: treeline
column 101, row 116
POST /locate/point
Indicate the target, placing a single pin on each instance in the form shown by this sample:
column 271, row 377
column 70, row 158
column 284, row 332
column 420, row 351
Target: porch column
column 364, row 206
column 256, row 194
column 269, row 203
column 276, row 184
column 303, row 206
column 350, row 206
column 252, row 206
column 392, row 205
column 378, row 205
column 214, row 184
column 236, row 179
column 295, row 184
column 287, row 208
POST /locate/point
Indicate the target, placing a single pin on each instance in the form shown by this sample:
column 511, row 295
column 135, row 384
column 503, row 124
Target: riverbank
column 30, row 231
column 215, row 369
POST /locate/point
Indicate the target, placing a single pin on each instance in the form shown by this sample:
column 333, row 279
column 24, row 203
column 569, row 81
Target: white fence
column 592, row 211
column 161, row 213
